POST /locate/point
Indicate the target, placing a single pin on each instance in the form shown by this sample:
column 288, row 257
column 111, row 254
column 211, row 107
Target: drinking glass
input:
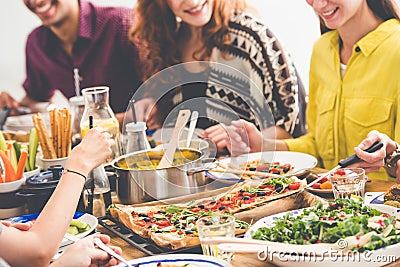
column 213, row 226
column 348, row 181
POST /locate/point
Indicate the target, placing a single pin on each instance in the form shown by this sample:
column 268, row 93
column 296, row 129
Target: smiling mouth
column 196, row 9
column 330, row 12
column 41, row 8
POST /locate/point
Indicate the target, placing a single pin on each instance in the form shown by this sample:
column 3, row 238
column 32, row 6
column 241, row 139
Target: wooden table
column 241, row 259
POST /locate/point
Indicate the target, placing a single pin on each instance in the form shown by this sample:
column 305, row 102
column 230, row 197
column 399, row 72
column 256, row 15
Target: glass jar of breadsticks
column 96, row 105
column 55, row 144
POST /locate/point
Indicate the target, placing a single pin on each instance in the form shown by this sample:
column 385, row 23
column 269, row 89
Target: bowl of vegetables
column 16, row 161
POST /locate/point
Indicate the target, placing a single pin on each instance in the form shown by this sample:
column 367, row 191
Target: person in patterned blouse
column 233, row 67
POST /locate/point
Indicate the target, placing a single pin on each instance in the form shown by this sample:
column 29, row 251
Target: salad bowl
column 336, row 253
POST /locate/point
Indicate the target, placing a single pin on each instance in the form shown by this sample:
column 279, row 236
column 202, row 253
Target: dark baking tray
column 143, row 244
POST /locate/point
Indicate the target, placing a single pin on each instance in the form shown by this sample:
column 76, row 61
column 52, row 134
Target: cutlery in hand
column 347, row 162
column 109, row 250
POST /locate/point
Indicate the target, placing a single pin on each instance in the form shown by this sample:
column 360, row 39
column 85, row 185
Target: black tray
column 143, row 244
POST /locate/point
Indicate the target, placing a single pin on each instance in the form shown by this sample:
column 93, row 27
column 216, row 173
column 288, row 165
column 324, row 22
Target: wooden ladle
column 168, row 158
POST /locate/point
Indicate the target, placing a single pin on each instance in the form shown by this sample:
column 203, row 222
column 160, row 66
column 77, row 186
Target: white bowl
column 31, row 173
column 46, row 163
column 24, row 122
column 11, row 186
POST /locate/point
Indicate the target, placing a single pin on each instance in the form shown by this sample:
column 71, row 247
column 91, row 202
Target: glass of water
column 347, row 182
column 218, row 225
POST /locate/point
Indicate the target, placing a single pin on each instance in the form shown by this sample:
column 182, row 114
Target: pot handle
column 210, row 164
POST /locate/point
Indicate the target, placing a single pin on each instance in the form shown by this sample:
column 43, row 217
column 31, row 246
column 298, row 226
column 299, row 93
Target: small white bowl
column 46, row 163
column 11, row 186
column 31, row 173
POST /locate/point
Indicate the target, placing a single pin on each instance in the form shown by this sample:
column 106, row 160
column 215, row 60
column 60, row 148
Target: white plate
column 378, row 257
column 23, row 122
column 87, row 218
column 189, row 260
column 84, row 217
column 374, row 198
column 300, row 162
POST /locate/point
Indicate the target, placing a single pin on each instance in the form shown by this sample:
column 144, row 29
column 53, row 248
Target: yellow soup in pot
column 149, row 160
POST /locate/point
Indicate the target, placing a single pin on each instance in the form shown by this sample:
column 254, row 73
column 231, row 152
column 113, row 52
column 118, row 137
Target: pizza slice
column 252, row 194
column 168, row 226
column 261, row 165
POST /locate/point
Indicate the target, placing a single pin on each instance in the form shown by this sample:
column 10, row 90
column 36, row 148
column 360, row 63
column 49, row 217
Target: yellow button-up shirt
column 341, row 111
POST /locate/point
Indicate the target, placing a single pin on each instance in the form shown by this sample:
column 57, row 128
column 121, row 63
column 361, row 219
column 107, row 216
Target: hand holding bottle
column 94, row 149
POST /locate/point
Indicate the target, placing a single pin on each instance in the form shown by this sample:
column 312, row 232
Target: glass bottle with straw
column 96, row 105
column 77, row 106
column 96, row 195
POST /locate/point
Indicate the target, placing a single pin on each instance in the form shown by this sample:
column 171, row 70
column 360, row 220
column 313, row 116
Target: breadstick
column 47, row 142
column 52, row 121
column 59, row 134
column 69, row 133
column 40, row 136
column 42, row 139
column 64, row 133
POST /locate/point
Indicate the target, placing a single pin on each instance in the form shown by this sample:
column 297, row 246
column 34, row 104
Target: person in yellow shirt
column 354, row 83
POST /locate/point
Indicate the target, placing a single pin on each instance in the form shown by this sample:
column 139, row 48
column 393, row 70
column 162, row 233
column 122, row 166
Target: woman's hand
column 83, row 253
column 94, row 149
column 243, row 137
column 374, row 161
column 21, row 226
column 218, row 134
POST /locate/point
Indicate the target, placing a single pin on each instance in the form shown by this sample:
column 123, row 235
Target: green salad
column 362, row 227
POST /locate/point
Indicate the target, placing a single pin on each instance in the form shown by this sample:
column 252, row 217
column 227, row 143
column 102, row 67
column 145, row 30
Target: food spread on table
column 174, row 225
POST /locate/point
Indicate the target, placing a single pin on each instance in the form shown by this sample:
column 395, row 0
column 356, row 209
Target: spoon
column 192, row 127
column 167, row 159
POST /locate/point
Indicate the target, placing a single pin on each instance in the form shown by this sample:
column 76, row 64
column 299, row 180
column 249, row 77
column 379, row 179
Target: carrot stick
column 21, row 164
column 1, row 178
column 10, row 173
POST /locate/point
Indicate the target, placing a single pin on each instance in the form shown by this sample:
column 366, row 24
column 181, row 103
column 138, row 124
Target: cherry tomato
column 195, row 210
column 340, row 172
column 163, row 223
column 294, row 185
column 140, row 223
column 323, row 180
column 316, row 186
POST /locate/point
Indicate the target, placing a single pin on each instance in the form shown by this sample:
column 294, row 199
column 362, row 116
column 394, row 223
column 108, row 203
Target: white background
column 293, row 21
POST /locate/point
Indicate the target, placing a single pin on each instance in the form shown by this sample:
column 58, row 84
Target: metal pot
column 140, row 185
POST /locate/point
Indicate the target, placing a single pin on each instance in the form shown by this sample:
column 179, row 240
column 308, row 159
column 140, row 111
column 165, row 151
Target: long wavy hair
column 383, row 9
column 158, row 33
